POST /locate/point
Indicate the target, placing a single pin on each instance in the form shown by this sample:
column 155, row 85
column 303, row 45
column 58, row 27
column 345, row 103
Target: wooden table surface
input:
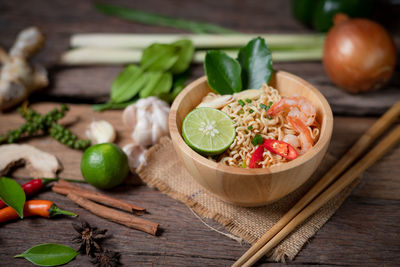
column 364, row 231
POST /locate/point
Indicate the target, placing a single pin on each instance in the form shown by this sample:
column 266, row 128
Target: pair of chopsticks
column 324, row 190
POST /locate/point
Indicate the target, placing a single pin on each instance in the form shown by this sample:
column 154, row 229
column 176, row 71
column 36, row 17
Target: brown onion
column 359, row 54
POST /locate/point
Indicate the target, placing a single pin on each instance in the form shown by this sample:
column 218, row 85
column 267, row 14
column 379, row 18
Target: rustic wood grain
column 364, row 231
column 366, row 222
column 60, row 19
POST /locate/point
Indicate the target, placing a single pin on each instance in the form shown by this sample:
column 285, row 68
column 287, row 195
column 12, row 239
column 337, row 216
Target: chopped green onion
column 246, row 131
column 241, row 102
column 263, row 106
column 269, row 117
column 250, row 127
column 251, row 111
column 248, row 100
column 257, row 140
column 229, row 106
column 240, row 112
column 244, row 165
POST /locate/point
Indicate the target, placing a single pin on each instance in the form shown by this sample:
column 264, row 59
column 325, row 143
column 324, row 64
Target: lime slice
column 208, row 131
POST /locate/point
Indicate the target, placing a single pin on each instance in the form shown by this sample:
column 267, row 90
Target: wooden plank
column 186, row 239
column 362, row 231
column 380, row 180
column 365, row 230
column 60, row 20
column 77, row 120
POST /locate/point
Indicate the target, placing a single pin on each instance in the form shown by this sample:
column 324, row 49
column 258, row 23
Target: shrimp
column 300, row 113
column 305, row 138
column 296, row 106
column 292, row 140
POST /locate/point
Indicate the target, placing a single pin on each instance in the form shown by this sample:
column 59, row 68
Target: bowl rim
column 324, row 140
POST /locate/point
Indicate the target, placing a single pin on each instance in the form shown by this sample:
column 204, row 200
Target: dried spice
column 48, row 124
column 107, row 258
column 88, row 237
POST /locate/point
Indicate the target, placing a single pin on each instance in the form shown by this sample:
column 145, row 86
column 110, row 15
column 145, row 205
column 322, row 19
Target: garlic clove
column 136, row 155
column 156, row 133
column 101, row 132
column 148, row 119
column 160, row 117
column 142, row 133
column 129, row 116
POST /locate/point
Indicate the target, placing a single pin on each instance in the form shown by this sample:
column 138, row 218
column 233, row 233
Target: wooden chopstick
column 351, row 155
column 346, row 179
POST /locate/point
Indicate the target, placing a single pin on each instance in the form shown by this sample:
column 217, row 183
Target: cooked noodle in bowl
column 265, row 113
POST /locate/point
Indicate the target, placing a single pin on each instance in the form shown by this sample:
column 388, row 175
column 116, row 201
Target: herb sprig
column 162, row 73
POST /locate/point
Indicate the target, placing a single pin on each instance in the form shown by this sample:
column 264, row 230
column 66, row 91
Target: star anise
column 88, row 237
column 107, row 258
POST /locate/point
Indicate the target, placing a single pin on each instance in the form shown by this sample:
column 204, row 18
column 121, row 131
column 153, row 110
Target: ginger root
column 43, row 164
column 17, row 77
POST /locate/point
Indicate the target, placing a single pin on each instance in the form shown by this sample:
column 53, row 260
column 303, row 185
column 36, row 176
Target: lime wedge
column 208, row 131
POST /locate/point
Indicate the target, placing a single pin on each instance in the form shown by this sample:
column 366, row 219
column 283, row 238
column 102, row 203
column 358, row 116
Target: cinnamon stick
column 114, row 215
column 64, row 187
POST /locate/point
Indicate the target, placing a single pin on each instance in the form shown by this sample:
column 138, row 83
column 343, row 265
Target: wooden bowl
column 251, row 187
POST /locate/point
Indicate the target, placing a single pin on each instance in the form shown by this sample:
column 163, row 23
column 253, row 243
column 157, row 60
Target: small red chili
column 281, row 148
column 33, row 187
column 256, row 157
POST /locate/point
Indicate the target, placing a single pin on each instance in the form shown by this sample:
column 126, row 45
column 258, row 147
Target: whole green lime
column 104, row 165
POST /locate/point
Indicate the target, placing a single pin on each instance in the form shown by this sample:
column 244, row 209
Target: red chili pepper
column 256, row 157
column 33, row 187
column 281, row 148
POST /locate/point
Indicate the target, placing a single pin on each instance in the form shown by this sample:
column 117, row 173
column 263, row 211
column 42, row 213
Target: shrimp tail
column 306, row 141
column 276, row 108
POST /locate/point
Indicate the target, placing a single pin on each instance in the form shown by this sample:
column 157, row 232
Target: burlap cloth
column 164, row 171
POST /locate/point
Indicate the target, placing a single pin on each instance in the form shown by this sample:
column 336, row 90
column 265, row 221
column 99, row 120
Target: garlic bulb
column 136, row 155
column 148, row 118
column 100, row 132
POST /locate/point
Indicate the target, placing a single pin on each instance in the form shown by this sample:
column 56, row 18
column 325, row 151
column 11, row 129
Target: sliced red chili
column 281, row 148
column 256, row 157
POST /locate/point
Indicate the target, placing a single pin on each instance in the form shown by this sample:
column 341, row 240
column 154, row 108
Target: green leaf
column 223, row 72
column 159, row 57
column 256, row 62
column 177, row 86
column 186, row 50
column 127, row 84
column 49, row 254
column 160, row 20
column 179, row 83
column 159, row 83
column 164, row 84
column 153, row 77
column 13, row 195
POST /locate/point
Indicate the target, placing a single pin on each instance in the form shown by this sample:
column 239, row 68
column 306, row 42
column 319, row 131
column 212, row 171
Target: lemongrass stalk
column 113, row 56
column 100, row 56
column 200, row 41
column 313, row 54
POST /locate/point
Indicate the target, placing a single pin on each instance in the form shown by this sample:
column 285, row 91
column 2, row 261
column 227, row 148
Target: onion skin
column 359, row 55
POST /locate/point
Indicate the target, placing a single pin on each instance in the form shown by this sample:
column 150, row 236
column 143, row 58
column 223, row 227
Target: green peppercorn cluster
column 37, row 123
